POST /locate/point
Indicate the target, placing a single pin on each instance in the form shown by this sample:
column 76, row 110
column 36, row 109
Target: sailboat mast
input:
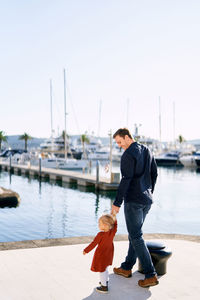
column 159, row 120
column 174, row 138
column 110, row 134
column 127, row 112
column 51, row 106
column 65, row 117
column 99, row 123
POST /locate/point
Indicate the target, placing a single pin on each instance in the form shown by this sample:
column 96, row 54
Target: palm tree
column 3, row 138
column 25, row 137
column 63, row 136
column 181, row 139
column 84, row 139
column 65, row 139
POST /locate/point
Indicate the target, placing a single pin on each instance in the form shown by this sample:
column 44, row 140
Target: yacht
column 64, row 164
column 101, row 154
column 10, row 152
column 59, row 163
column 198, row 162
column 168, row 159
column 116, row 154
column 52, row 144
column 57, row 146
column 190, row 160
column 94, row 145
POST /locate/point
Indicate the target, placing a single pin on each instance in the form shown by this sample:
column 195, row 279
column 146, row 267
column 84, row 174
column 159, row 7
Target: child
column 103, row 255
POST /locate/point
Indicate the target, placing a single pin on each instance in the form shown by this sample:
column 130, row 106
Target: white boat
column 198, row 162
column 102, row 154
column 60, row 143
column 168, row 159
column 21, row 158
column 190, row 160
column 94, row 145
column 116, row 154
column 64, row 164
column 53, row 144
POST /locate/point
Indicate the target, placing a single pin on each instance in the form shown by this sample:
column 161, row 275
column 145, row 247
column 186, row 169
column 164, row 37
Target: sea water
column 52, row 210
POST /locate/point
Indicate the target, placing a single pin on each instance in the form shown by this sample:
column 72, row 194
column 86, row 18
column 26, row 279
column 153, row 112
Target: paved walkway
column 63, row 272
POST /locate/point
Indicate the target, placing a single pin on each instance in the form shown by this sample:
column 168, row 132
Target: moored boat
column 190, row 160
column 101, row 154
column 61, row 163
column 198, row 162
column 168, row 159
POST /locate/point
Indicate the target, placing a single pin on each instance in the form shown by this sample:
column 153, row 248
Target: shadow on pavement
column 122, row 288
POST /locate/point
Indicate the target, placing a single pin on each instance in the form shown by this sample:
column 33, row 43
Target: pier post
column 90, row 166
column 97, row 175
column 40, row 167
column 10, row 164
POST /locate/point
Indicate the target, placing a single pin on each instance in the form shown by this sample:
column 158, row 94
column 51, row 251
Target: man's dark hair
column 122, row 132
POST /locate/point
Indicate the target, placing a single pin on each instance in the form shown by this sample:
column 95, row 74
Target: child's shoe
column 106, row 283
column 102, row 289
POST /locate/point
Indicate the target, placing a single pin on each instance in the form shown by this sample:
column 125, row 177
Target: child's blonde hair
column 108, row 220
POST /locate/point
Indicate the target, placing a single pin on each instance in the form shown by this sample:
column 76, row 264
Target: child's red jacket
column 103, row 255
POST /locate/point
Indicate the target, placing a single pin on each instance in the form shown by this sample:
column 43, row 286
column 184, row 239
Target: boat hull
column 168, row 159
column 167, row 162
column 198, row 162
column 188, row 161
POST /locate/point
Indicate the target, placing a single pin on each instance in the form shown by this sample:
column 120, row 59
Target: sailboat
column 63, row 163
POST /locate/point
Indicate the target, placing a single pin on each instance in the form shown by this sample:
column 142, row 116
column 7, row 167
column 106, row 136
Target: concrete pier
column 57, row 269
column 81, row 179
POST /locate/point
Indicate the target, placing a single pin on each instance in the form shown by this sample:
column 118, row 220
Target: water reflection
column 40, row 187
column 52, row 209
column 69, row 185
column 50, row 219
column 179, row 168
column 198, row 170
column 97, row 204
column 64, row 217
column 10, row 177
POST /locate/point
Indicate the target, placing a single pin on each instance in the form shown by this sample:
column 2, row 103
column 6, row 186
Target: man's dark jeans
column 135, row 215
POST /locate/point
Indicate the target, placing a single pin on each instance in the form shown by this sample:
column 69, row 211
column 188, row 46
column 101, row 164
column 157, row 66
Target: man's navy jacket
column 139, row 174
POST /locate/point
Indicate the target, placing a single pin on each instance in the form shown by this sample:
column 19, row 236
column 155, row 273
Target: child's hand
column 115, row 209
column 84, row 252
column 113, row 214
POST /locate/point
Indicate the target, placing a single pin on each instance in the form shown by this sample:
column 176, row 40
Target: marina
column 51, row 208
column 81, row 82
column 80, row 179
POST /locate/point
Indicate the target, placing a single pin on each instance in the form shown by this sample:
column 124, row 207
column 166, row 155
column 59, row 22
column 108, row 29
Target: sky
column 120, row 58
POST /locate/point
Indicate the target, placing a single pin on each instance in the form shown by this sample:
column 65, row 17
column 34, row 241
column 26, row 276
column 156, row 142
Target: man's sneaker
column 148, row 282
column 102, row 289
column 120, row 271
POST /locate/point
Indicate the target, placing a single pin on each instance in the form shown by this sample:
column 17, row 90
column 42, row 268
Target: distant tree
column 84, row 139
column 25, row 137
column 3, row 138
column 65, row 137
column 181, row 139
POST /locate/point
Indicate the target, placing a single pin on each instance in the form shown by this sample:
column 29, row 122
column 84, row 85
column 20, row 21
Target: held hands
column 114, row 210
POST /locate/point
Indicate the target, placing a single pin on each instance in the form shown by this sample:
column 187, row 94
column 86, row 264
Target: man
column 139, row 174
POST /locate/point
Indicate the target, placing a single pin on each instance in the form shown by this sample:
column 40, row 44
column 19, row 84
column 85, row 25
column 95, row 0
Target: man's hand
column 115, row 210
